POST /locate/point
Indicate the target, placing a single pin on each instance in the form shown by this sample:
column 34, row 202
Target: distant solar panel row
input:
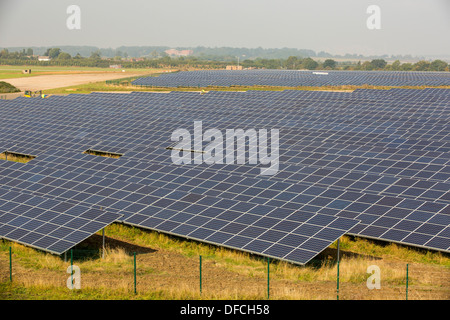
column 373, row 163
column 294, row 78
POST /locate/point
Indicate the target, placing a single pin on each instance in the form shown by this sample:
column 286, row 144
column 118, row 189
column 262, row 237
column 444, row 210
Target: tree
column 366, row 65
column 406, row 67
column 421, row 65
column 64, row 56
column 154, row 54
column 438, row 65
column 309, row 64
column 292, row 62
column 395, row 65
column 378, row 64
column 78, row 56
column 95, row 55
column 4, row 54
column 329, row 63
column 29, row 52
column 53, row 52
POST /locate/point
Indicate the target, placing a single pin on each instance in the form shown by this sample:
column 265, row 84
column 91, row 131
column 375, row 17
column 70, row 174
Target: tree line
column 214, row 53
column 158, row 60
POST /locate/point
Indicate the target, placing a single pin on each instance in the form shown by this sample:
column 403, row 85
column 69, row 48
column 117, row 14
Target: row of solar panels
column 294, row 78
column 392, row 215
column 369, row 163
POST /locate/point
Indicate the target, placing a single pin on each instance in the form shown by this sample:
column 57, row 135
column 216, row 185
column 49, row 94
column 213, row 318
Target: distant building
column 179, row 53
column 44, row 58
column 234, row 68
column 115, row 66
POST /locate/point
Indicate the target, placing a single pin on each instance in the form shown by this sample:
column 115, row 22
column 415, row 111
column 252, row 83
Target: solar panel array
column 294, row 78
column 48, row 224
column 372, row 163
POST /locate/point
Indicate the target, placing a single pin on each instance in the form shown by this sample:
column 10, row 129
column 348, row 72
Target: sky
column 415, row 27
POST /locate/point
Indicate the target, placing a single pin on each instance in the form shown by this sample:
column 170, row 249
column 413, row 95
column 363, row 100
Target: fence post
column 10, row 265
column 338, row 247
column 71, row 267
column 407, row 281
column 200, row 274
column 103, row 243
column 268, row 278
column 135, row 273
column 338, row 280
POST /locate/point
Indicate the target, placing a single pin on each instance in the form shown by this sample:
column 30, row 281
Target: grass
column 7, row 88
column 103, row 154
column 16, row 157
column 167, row 268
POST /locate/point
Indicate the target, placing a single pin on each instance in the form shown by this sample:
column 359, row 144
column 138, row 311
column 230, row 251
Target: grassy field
column 168, row 268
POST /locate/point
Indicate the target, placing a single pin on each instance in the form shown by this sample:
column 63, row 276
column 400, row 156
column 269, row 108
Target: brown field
column 45, row 82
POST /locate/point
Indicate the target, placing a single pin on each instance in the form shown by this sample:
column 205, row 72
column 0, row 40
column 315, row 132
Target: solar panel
column 48, row 224
column 294, row 78
column 372, row 163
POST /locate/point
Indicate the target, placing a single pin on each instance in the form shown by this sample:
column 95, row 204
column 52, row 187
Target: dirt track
column 46, row 82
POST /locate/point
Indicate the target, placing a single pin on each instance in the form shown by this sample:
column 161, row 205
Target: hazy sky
column 416, row 27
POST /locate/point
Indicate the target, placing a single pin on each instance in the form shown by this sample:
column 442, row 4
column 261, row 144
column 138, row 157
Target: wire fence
column 134, row 274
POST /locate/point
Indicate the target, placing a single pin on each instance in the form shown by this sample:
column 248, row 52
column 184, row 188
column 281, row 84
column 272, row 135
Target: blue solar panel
column 294, row 78
column 372, row 163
